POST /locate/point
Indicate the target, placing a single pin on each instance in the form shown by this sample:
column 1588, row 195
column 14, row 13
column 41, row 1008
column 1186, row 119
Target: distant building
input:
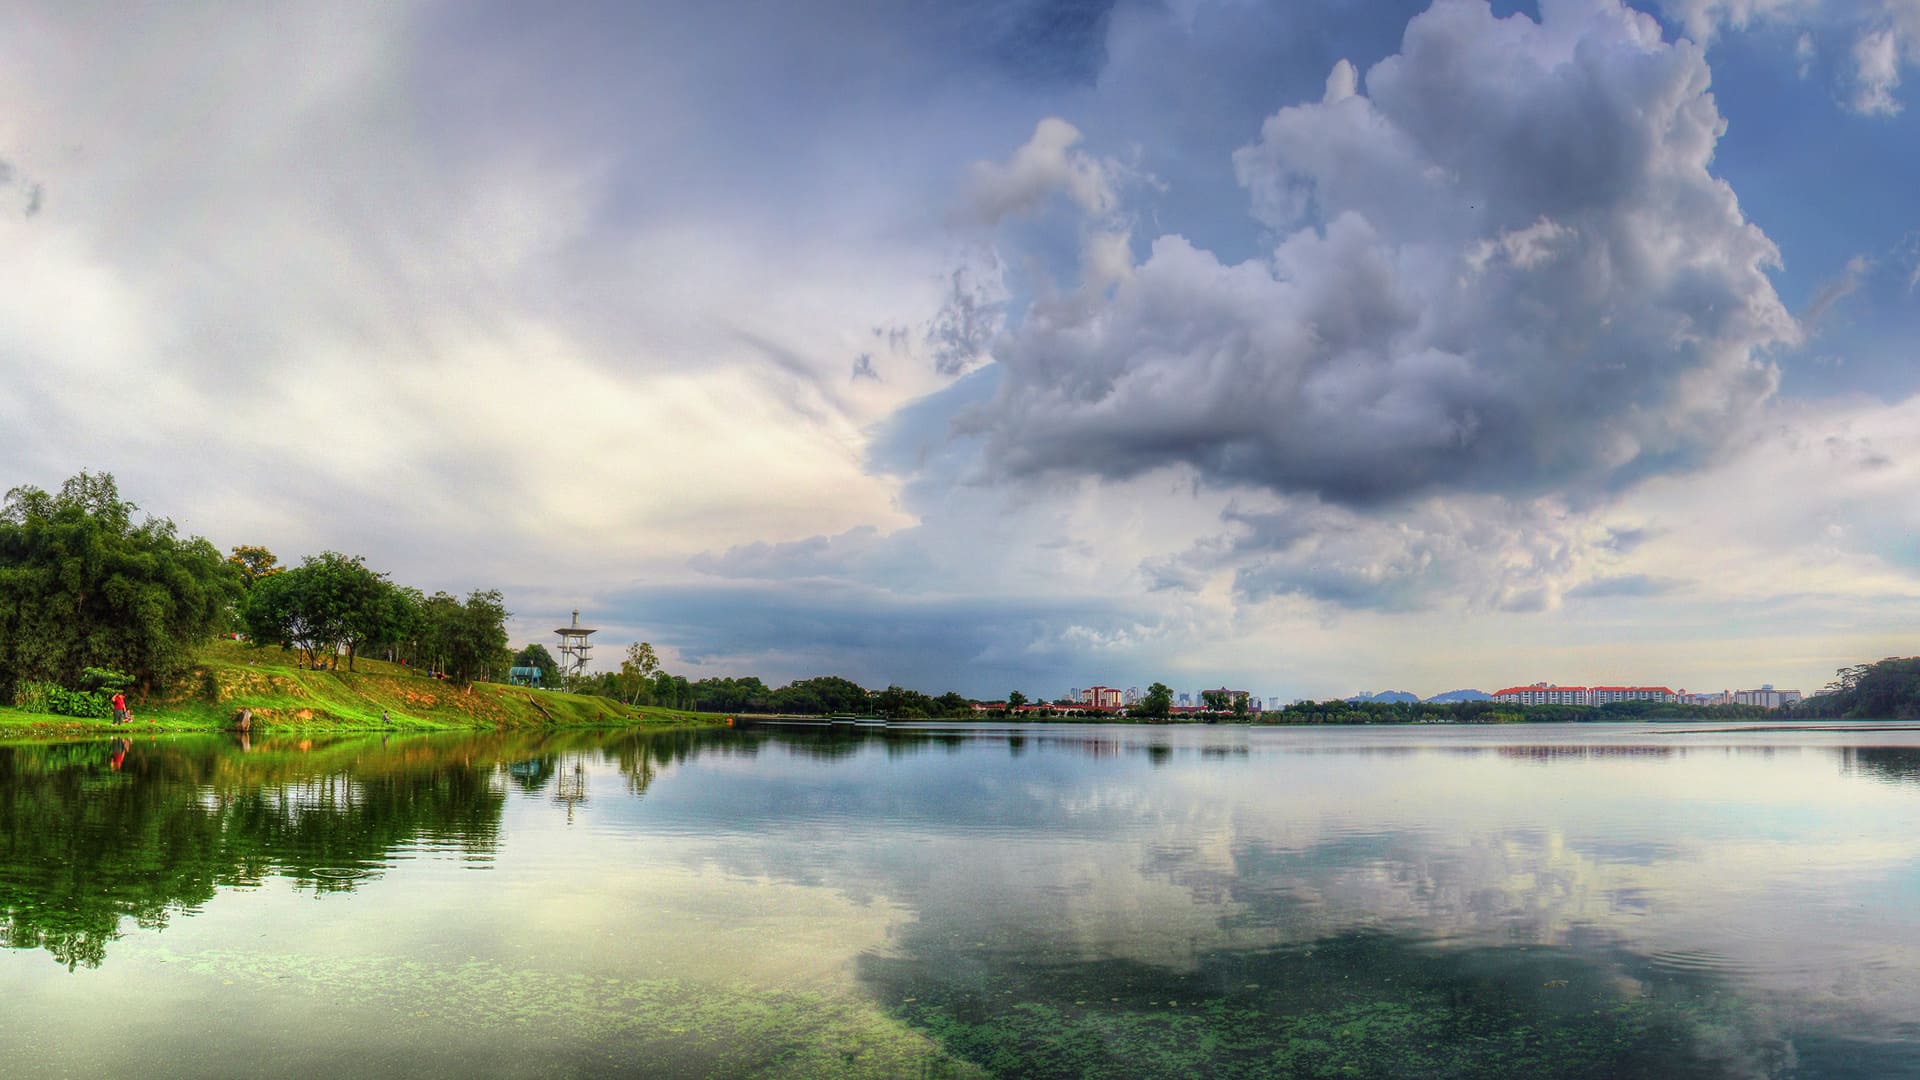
column 1185, row 701
column 1604, row 695
column 1552, row 694
column 1132, row 696
column 1766, row 697
column 1542, row 694
column 1101, row 697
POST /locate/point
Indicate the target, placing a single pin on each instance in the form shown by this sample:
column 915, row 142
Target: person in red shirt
column 119, row 707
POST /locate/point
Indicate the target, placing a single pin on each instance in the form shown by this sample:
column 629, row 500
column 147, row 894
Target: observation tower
column 575, row 649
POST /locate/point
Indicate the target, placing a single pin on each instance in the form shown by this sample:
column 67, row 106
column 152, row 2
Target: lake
column 1658, row 900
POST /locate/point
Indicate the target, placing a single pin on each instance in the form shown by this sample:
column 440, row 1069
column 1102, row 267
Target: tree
column 637, row 670
column 253, row 563
column 536, row 656
column 1015, row 700
column 1157, row 703
column 280, row 612
column 898, row 701
column 82, row 585
column 373, row 610
column 1216, row 700
column 329, row 602
column 468, row 638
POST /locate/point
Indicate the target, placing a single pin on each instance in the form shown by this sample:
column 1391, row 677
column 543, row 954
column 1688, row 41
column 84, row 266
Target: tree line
column 94, row 596
column 333, row 605
column 1885, row 690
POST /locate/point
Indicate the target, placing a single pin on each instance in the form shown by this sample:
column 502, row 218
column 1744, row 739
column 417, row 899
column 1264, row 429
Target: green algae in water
column 657, row 1026
column 1365, row 1005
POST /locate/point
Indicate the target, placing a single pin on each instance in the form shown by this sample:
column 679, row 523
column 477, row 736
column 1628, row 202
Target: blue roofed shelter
column 524, row 676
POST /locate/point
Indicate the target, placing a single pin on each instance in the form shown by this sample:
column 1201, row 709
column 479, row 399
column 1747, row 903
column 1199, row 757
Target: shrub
column 64, row 702
column 33, row 696
column 105, row 680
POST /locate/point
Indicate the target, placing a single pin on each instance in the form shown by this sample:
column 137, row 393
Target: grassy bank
column 231, row 677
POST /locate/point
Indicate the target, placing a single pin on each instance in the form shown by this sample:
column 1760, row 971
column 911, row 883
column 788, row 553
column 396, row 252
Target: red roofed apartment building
column 1549, row 694
column 1602, row 695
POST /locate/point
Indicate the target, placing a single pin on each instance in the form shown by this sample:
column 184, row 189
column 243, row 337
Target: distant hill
column 1461, row 695
column 1387, row 697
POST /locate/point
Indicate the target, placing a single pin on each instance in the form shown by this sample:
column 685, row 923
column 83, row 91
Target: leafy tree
column 822, row 695
column 1216, row 700
column 289, row 611
column 468, row 639
column 83, row 585
column 1886, row 690
column 402, row 622
column 637, row 670
column 330, row 601
column 899, row 702
column 253, row 563
column 1157, row 703
column 672, row 691
column 536, row 656
column 373, row 610
column 952, row 704
column 1015, row 700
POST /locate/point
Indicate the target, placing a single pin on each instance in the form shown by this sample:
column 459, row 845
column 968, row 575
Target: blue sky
column 1309, row 347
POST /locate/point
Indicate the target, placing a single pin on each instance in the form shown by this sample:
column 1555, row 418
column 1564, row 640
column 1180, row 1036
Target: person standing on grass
column 119, row 707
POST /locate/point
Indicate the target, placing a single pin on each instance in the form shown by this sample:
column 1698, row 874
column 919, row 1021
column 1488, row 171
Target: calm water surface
column 1592, row 901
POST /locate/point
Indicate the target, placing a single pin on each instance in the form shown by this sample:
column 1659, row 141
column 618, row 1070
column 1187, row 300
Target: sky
column 1304, row 347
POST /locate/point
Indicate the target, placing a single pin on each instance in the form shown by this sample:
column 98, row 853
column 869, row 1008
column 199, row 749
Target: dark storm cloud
column 1502, row 266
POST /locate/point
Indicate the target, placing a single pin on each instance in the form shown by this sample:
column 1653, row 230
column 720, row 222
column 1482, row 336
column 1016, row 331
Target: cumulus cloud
column 1504, row 267
column 1485, row 553
column 1882, row 37
column 1048, row 164
column 1704, row 19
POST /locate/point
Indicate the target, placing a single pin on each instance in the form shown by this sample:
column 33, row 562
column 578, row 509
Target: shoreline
column 14, row 723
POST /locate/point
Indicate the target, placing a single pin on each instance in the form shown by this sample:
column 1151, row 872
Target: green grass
column 282, row 694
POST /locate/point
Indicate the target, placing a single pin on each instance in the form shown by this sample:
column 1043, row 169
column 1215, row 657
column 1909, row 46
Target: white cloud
column 1882, row 37
column 1839, row 289
column 289, row 302
column 1876, row 64
column 1046, row 165
column 1504, row 268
